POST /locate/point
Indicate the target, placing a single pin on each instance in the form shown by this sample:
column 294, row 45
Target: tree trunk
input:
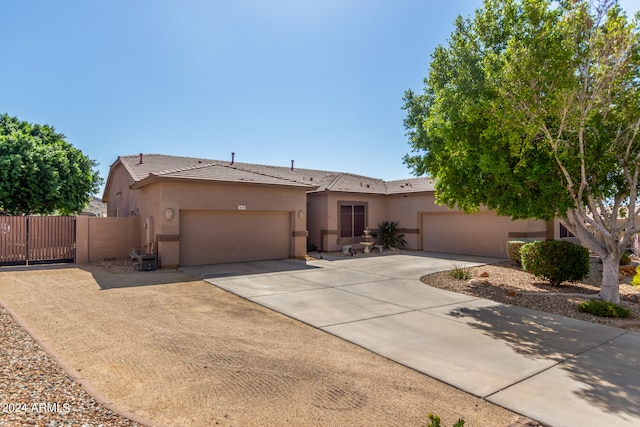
column 607, row 247
column 610, row 281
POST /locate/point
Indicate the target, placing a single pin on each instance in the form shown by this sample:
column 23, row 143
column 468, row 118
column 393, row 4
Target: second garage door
column 482, row 233
column 215, row 237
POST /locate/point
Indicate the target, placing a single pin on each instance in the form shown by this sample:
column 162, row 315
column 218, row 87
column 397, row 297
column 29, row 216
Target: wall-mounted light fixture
column 168, row 214
column 300, row 214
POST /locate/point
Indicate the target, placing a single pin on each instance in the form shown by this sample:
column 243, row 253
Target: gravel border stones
column 36, row 391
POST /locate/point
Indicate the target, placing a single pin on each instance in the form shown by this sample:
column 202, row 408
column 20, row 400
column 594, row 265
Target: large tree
column 40, row 172
column 533, row 109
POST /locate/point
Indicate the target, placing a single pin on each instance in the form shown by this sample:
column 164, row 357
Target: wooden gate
column 28, row 240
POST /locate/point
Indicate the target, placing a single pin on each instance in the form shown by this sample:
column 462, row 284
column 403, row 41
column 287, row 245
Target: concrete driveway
column 177, row 351
column 559, row 371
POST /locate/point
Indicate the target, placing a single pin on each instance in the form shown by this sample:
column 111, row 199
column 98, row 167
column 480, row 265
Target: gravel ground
column 36, row 391
column 507, row 283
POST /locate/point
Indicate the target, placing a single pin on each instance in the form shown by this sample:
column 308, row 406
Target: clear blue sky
column 317, row 81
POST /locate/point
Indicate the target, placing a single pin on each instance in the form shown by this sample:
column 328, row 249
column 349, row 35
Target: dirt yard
column 181, row 352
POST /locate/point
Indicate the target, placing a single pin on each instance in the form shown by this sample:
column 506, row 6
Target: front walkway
column 560, row 371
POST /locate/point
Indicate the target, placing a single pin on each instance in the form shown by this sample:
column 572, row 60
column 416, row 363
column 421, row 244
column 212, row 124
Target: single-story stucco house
column 198, row 211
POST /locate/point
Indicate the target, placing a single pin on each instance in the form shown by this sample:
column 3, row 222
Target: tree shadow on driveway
column 603, row 361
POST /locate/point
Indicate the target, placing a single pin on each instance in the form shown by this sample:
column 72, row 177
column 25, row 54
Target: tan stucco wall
column 408, row 210
column 82, row 239
column 405, row 209
column 324, row 205
column 154, row 199
column 317, row 218
column 530, row 228
column 120, row 198
column 100, row 238
column 319, row 212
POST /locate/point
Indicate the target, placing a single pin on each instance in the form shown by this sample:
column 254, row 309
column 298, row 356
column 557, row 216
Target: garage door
column 483, row 233
column 215, row 237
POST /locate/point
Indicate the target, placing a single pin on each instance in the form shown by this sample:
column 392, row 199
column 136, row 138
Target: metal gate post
column 26, row 244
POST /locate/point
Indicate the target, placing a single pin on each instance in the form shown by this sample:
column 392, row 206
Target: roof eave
column 107, row 186
column 152, row 178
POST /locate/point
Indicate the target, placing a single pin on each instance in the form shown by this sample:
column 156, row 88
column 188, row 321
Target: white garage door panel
column 214, row 237
column 483, row 233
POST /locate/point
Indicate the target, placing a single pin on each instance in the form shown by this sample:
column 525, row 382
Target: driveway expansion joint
column 365, row 319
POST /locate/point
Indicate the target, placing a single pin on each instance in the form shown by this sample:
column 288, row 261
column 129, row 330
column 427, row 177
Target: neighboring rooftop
column 143, row 167
column 95, row 207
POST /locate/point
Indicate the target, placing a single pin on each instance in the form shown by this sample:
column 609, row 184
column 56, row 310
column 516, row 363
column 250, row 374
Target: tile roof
column 227, row 173
column 412, row 185
column 148, row 166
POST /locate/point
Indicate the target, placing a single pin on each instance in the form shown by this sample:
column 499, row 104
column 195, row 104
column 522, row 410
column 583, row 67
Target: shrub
column 513, row 250
column 434, row 421
column 604, row 309
column 460, row 272
column 390, row 235
column 636, row 278
column 625, row 259
column 556, row 261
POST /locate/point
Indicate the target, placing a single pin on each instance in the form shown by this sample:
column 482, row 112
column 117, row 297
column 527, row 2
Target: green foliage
column 556, row 261
column 390, row 235
column 604, row 309
column 513, row 250
column 636, row 279
column 526, row 99
column 40, row 172
column 531, row 109
column 434, row 421
column 625, row 259
column 460, row 272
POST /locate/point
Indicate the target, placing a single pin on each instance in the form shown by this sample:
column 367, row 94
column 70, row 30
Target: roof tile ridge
column 128, row 168
column 415, row 178
column 355, row 175
column 137, row 155
column 283, row 168
column 244, row 169
column 183, row 169
column 334, row 181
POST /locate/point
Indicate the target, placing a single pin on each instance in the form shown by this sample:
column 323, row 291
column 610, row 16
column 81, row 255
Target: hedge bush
column 625, row 259
column 514, row 246
column 556, row 261
column 604, row 309
column 513, row 250
column 636, row 278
